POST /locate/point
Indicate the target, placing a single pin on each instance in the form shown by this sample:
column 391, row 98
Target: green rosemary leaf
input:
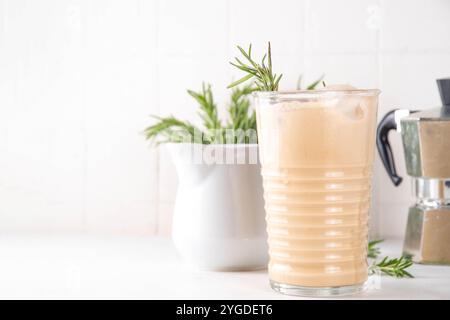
column 263, row 62
column 208, row 109
column 270, row 58
column 170, row 129
column 241, row 117
column 248, row 55
column 373, row 251
column 277, row 81
column 313, row 85
column 243, row 66
column 235, row 83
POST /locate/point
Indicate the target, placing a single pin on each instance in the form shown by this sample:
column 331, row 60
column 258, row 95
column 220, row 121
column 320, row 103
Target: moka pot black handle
column 384, row 147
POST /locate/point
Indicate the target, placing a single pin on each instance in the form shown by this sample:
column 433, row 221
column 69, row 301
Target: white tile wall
column 345, row 26
column 120, row 92
column 165, row 218
column 281, row 23
column 415, row 26
column 356, row 69
column 76, row 87
column 194, row 27
column 78, row 80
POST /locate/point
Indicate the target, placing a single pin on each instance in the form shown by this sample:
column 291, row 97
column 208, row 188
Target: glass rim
column 291, row 94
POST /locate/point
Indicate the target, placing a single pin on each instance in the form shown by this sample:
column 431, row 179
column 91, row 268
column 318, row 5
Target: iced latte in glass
column 316, row 151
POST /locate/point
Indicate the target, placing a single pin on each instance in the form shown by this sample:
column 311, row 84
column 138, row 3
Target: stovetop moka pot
column 426, row 144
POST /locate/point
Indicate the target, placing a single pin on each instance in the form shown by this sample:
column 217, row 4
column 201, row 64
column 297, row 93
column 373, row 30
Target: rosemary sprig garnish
column 394, row 267
column 264, row 78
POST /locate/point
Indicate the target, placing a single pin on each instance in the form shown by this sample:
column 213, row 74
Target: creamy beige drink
column 317, row 150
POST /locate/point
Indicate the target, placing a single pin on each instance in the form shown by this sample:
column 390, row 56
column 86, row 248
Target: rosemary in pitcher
column 241, row 121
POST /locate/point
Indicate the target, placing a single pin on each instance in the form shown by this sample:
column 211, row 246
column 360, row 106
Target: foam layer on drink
column 317, row 157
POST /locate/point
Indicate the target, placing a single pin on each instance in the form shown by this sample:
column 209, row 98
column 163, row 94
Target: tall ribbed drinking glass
column 316, row 150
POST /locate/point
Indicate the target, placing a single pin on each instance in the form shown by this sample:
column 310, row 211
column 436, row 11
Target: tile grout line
column 157, row 206
column 84, row 218
column 229, row 36
column 379, row 62
column 306, row 9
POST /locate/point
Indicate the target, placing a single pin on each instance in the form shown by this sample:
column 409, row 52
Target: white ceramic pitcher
column 219, row 219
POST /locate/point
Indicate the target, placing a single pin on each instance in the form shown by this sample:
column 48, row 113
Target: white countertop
column 124, row 267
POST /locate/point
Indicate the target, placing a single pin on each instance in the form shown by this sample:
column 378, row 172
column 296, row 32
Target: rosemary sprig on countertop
column 394, row 267
column 265, row 79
